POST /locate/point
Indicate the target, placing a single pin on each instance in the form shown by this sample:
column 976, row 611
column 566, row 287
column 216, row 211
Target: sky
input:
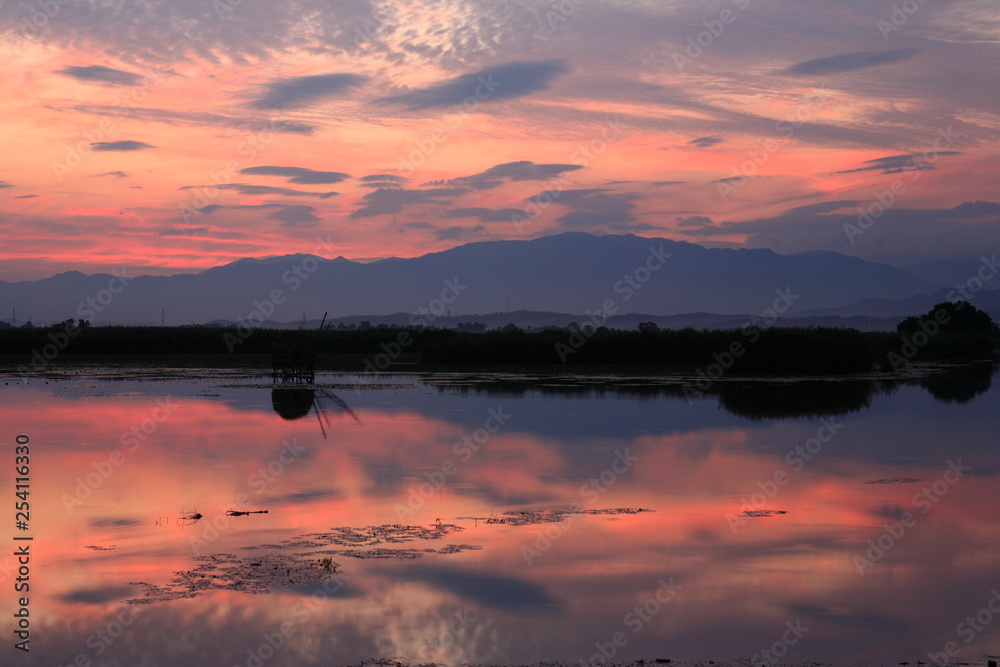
column 169, row 137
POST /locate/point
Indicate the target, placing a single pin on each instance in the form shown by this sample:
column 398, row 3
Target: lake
column 205, row 517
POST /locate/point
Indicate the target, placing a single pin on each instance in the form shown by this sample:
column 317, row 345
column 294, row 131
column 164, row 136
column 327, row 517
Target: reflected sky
column 117, row 464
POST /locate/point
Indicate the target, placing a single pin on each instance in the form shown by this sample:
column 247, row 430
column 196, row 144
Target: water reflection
column 295, row 401
column 785, row 400
column 188, row 518
column 512, row 591
column 960, row 384
column 752, row 398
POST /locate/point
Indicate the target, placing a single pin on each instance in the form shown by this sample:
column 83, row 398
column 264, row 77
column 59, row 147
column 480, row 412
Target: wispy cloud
column 303, row 91
column 124, row 145
column 185, row 231
column 457, row 233
column 257, row 190
column 593, row 209
column 384, row 181
column 298, row 215
column 386, row 201
column 849, row 62
column 705, row 142
column 523, row 170
column 100, row 74
column 196, row 118
column 895, row 164
column 695, row 221
column 490, row 84
column 486, row 214
column 385, row 177
column 298, row 174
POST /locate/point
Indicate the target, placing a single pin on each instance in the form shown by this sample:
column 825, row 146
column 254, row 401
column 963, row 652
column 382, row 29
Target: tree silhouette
column 955, row 317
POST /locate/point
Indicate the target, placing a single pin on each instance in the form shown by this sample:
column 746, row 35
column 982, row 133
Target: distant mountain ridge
column 565, row 273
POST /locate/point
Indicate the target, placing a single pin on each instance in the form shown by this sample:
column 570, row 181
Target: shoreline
column 259, row 365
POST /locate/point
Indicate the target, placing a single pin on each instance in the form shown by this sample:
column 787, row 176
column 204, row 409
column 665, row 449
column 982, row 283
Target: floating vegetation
column 96, row 548
column 893, row 480
column 367, row 536
column 244, row 513
column 535, row 517
column 284, row 565
column 256, row 575
column 756, row 513
column 308, row 559
column 328, row 565
column 403, row 554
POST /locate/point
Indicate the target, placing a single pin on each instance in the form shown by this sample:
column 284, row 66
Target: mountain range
column 617, row 277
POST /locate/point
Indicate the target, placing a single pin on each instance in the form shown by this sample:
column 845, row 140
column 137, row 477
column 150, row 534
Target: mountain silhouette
column 565, row 273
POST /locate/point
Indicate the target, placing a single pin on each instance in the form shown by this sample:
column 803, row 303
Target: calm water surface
column 886, row 542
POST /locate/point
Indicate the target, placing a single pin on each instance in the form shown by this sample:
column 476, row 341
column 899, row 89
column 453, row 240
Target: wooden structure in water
column 293, row 357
